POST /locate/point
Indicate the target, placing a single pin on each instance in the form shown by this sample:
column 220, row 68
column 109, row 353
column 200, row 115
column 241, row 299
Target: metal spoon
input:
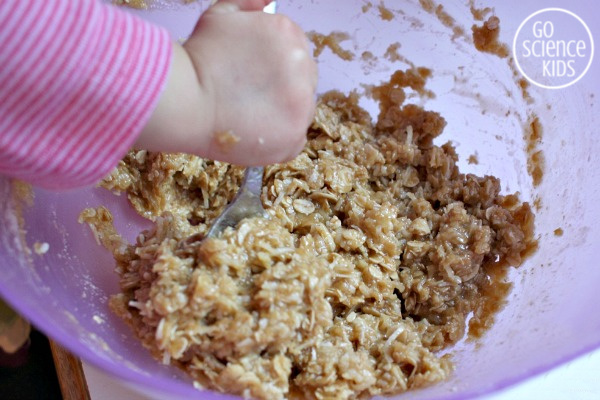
column 245, row 204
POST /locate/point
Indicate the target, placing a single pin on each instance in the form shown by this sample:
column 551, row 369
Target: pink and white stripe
column 78, row 81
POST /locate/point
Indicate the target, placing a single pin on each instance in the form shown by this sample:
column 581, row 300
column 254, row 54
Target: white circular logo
column 553, row 48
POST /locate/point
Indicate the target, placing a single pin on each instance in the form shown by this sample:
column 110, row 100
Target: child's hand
column 243, row 93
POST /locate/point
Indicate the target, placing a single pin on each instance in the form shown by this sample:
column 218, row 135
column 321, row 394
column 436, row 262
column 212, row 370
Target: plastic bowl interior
column 551, row 315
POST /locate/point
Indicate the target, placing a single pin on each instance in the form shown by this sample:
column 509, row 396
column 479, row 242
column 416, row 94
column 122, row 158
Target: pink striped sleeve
column 78, row 81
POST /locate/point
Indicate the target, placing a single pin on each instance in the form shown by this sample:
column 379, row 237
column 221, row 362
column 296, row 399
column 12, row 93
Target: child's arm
column 79, row 80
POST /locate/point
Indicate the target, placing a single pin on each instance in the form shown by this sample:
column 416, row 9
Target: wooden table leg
column 70, row 374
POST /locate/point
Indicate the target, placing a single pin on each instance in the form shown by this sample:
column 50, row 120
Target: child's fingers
column 238, row 5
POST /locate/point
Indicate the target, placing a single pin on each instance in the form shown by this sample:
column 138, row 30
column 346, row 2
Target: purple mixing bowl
column 551, row 315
